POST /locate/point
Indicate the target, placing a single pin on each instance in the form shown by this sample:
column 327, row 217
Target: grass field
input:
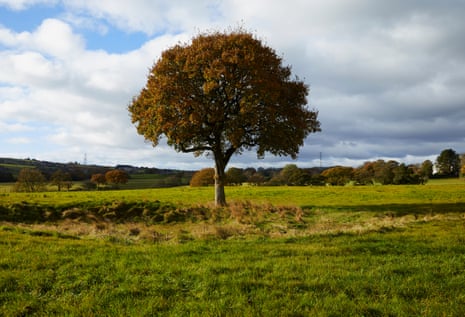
column 308, row 195
column 276, row 251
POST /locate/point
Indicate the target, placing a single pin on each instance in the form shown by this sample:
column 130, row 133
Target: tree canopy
column 338, row 175
column 116, row 177
column 448, row 163
column 222, row 94
column 98, row 179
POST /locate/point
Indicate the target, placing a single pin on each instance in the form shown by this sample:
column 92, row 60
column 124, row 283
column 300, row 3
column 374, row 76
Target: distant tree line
column 10, row 169
column 289, row 175
column 77, row 172
column 33, row 180
column 448, row 164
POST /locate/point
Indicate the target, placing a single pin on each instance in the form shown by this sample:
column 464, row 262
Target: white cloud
column 56, row 38
column 6, row 127
column 387, row 77
column 30, row 68
column 85, row 22
column 53, row 37
column 23, row 4
column 19, row 140
column 150, row 17
column 81, row 95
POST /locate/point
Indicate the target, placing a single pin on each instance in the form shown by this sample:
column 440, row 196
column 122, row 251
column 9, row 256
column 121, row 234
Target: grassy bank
column 252, row 210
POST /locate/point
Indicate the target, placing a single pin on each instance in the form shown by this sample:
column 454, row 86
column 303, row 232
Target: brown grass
column 239, row 219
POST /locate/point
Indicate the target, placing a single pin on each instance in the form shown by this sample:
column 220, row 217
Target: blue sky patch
column 115, row 41
column 29, row 19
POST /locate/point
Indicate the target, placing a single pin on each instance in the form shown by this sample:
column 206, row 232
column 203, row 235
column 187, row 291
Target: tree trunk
column 220, row 197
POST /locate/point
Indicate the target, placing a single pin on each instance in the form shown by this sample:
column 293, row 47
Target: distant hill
column 10, row 168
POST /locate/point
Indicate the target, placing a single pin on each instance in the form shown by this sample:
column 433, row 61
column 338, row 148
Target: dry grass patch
column 239, row 219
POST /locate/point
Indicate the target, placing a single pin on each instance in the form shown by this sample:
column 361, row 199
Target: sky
column 387, row 77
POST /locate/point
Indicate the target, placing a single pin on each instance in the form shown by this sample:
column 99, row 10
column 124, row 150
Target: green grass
column 415, row 271
column 276, row 251
column 298, row 196
column 446, row 181
column 145, row 181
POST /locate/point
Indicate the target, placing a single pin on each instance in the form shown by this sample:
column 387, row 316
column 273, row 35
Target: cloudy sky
column 388, row 77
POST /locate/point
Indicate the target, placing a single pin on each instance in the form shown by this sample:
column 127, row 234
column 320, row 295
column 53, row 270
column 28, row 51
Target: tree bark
column 220, row 177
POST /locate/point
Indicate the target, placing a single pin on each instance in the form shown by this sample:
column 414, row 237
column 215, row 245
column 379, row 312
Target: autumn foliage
column 116, row 177
column 224, row 93
column 204, row 177
column 98, row 179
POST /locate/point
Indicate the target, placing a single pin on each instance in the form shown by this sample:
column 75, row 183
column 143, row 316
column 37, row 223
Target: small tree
column 30, row 180
column 204, row 177
column 222, row 94
column 116, row 177
column 98, row 179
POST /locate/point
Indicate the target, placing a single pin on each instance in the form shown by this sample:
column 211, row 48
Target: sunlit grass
column 275, row 251
column 446, row 181
column 299, row 196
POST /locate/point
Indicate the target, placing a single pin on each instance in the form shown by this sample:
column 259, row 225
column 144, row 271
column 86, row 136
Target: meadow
column 280, row 251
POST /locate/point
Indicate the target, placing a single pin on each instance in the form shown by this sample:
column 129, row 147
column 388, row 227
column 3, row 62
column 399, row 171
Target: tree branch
column 229, row 152
column 195, row 149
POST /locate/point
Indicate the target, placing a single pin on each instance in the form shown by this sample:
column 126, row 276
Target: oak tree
column 221, row 94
